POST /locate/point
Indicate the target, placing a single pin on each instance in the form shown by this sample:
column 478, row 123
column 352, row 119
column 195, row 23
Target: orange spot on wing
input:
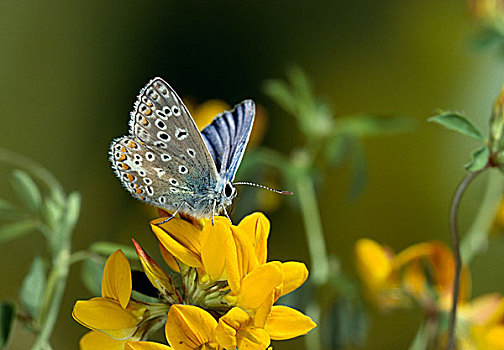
column 149, row 103
column 130, row 177
column 122, row 157
column 125, row 166
column 131, row 144
column 138, row 191
column 148, row 112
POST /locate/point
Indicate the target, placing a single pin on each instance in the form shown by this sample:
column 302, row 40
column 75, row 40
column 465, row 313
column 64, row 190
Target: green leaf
column 27, row 190
column 420, row 341
column 479, row 159
column 9, row 210
column 32, row 291
column 372, row 125
column 337, row 149
column 52, row 212
column 281, row 94
column 7, row 318
column 91, row 274
column 106, row 248
column 459, row 123
column 72, row 212
column 15, row 230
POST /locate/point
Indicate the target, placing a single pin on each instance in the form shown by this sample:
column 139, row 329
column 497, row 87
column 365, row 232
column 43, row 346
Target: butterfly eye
column 229, row 190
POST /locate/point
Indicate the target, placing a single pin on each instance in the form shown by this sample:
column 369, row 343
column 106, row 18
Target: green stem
column 54, row 295
column 313, row 229
column 316, row 247
column 476, row 240
column 456, row 251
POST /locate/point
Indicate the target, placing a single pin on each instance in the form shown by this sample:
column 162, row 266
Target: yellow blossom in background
column 422, row 273
column 375, row 265
column 489, row 331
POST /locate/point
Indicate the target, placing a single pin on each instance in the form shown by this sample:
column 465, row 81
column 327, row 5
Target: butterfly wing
column 165, row 161
column 227, row 136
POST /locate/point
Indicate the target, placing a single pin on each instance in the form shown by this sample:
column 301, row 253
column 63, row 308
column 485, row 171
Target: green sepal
column 420, row 342
column 479, row 159
column 9, row 232
column 91, row 274
column 27, row 190
column 107, row 248
column 457, row 122
column 7, row 318
column 32, row 290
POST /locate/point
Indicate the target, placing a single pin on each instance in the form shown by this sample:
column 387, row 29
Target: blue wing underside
column 227, row 136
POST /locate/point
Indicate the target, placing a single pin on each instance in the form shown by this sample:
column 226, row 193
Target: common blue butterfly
column 166, row 161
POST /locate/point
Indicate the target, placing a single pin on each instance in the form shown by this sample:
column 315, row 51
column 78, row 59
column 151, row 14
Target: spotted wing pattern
column 165, row 161
column 227, row 136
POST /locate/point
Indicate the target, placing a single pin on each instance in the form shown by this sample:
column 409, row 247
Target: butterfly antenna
column 264, row 187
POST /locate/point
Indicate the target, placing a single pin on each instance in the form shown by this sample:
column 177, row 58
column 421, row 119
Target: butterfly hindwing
column 227, row 136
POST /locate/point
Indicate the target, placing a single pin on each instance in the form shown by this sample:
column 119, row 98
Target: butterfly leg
column 227, row 215
column 173, row 215
column 213, row 211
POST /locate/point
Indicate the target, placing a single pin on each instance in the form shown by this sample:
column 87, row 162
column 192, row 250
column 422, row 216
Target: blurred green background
column 70, row 71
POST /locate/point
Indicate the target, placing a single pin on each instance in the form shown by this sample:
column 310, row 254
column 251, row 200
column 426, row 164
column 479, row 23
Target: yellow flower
column 114, row 314
column 423, row 272
column 225, row 301
column 428, row 273
column 489, row 333
column 375, row 265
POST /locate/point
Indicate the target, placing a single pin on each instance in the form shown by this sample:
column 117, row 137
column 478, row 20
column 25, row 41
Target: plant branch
column 456, row 251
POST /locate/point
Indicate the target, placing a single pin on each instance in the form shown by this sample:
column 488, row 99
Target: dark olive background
column 70, row 70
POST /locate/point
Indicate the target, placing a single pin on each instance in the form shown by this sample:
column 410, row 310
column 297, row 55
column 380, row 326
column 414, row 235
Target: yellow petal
column 247, row 260
column 169, row 258
column 259, row 284
column 235, row 331
column 494, row 338
column 373, row 263
column 264, row 310
column 108, row 316
column 144, row 345
column 156, row 276
column 286, row 323
column 214, row 240
column 258, row 227
column 295, row 274
column 116, row 282
column 252, row 338
column 96, row 340
column 181, row 239
column 189, row 327
column 228, row 326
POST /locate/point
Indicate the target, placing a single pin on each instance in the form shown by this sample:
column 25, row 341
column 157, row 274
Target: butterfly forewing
column 165, row 162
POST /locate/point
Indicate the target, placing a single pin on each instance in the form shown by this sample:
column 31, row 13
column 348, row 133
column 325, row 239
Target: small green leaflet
column 457, row 122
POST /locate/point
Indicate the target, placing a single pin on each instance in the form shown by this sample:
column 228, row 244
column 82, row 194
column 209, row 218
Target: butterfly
column 167, row 162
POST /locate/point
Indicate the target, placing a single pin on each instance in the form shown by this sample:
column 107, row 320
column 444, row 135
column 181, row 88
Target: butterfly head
column 227, row 194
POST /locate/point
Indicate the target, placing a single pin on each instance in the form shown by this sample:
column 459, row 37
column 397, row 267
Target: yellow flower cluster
column 422, row 274
column 225, row 300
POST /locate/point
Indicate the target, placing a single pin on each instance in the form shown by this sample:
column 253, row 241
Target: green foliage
column 32, row 291
column 91, row 274
column 16, row 230
column 420, row 342
column 7, row 318
column 106, row 248
column 27, row 190
column 479, row 159
column 457, row 122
